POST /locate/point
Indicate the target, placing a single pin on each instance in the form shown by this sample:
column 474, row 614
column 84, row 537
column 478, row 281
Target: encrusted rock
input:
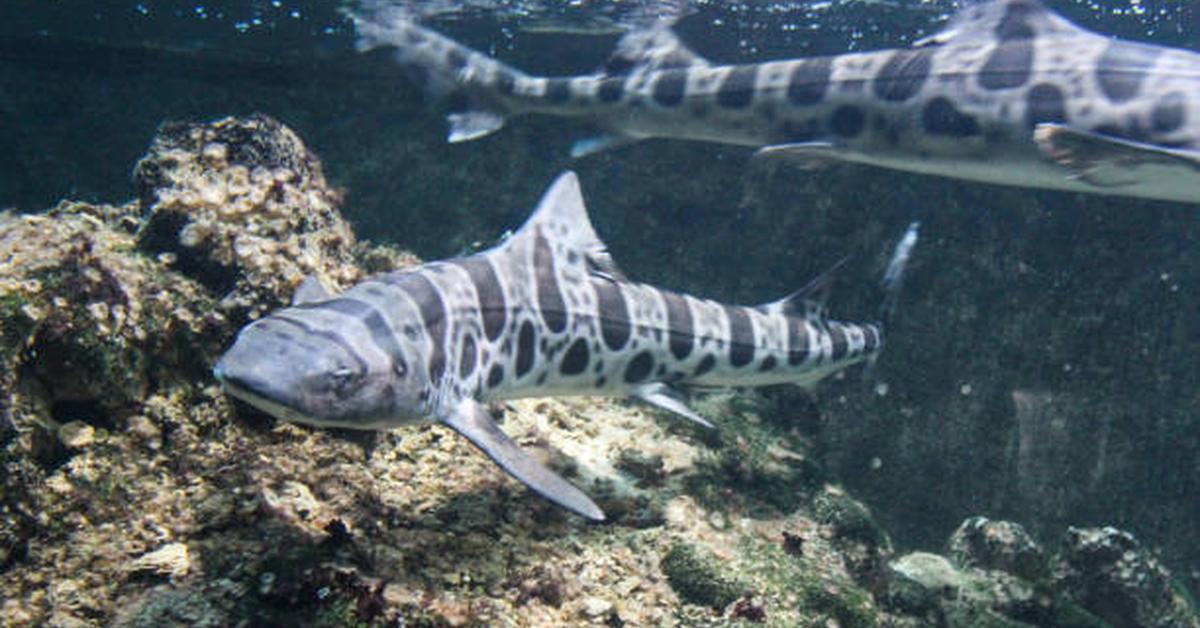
column 244, row 208
column 1106, row 571
column 986, row 544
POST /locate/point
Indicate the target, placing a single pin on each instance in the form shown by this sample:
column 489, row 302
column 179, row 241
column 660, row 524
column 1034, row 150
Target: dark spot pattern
column 639, row 368
column 679, row 325
column 1015, row 23
column 551, row 306
column 847, row 121
column 495, row 376
column 558, row 90
column 1122, row 69
column 903, row 75
column 769, row 363
column 456, row 58
column 706, row 364
column 610, row 89
column 669, row 86
column 1044, row 104
column 466, row 362
column 941, row 117
column 488, row 293
column 798, row 131
column 525, row 349
column 870, row 339
column 741, row 337
column 809, row 81
column 1009, row 66
column 575, row 360
column 737, row 90
column 841, row 344
column 506, row 83
column 613, row 314
column 798, row 341
column 1169, row 113
column 421, row 290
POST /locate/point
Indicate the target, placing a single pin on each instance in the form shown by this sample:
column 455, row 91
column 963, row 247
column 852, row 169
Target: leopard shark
column 1008, row 93
column 544, row 313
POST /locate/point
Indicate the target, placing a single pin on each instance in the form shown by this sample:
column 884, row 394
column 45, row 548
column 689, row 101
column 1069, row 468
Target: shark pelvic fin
column 1109, row 162
column 651, row 49
column 470, row 125
column 808, row 155
column 310, row 290
column 561, row 217
column 663, row 396
column 600, row 143
column 471, row 420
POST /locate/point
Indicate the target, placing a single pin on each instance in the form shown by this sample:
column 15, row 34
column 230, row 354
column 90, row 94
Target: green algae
column 698, row 578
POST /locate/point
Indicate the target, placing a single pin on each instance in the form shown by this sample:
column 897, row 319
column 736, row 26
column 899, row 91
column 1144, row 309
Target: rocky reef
column 134, row 493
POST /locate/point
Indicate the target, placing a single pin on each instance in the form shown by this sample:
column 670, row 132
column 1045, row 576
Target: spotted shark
column 544, row 313
column 1008, row 93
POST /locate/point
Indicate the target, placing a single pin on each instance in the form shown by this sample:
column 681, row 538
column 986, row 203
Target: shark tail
column 482, row 91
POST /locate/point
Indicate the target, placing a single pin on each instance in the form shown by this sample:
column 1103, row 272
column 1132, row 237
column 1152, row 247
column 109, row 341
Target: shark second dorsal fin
column 562, row 217
column 310, row 290
column 471, row 420
column 656, row 48
column 1001, row 20
column 809, row 301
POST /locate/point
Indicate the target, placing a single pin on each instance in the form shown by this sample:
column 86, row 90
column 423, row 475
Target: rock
column 171, row 560
column 244, row 208
column 77, row 434
column 1107, row 572
column 596, row 607
column 986, row 544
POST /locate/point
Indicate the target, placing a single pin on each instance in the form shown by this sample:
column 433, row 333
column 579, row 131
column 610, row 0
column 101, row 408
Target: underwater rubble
column 134, row 493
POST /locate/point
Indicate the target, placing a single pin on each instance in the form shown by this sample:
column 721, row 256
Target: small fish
column 545, row 313
column 1009, row 93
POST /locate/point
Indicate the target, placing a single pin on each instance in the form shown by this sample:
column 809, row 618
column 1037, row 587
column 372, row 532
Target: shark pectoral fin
column 471, row 125
column 471, row 420
column 310, row 290
column 600, row 143
column 1106, row 161
column 808, row 155
column 669, row 399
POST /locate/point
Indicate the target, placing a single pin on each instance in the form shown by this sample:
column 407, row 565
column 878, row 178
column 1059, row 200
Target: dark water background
column 1043, row 367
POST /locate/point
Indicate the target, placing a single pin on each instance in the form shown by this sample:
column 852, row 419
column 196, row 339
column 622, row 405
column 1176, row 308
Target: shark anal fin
column 807, row 155
column 472, row 421
column 669, row 399
column 1106, row 161
column 470, row 125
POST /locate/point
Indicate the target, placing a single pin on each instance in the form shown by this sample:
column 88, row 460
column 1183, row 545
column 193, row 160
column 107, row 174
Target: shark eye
column 342, row 380
column 400, row 368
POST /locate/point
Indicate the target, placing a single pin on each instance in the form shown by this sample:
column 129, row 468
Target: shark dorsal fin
column 310, row 290
column 562, row 217
column 808, row 302
column 651, row 49
column 1001, row 20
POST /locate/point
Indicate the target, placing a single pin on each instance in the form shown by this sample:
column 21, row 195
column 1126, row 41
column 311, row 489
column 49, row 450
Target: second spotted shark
column 1009, row 93
column 545, row 313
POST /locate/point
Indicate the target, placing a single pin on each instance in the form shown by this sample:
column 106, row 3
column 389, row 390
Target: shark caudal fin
column 444, row 69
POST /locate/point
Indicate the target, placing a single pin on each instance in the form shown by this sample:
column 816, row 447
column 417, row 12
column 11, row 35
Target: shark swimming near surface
column 544, row 313
column 1008, row 93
